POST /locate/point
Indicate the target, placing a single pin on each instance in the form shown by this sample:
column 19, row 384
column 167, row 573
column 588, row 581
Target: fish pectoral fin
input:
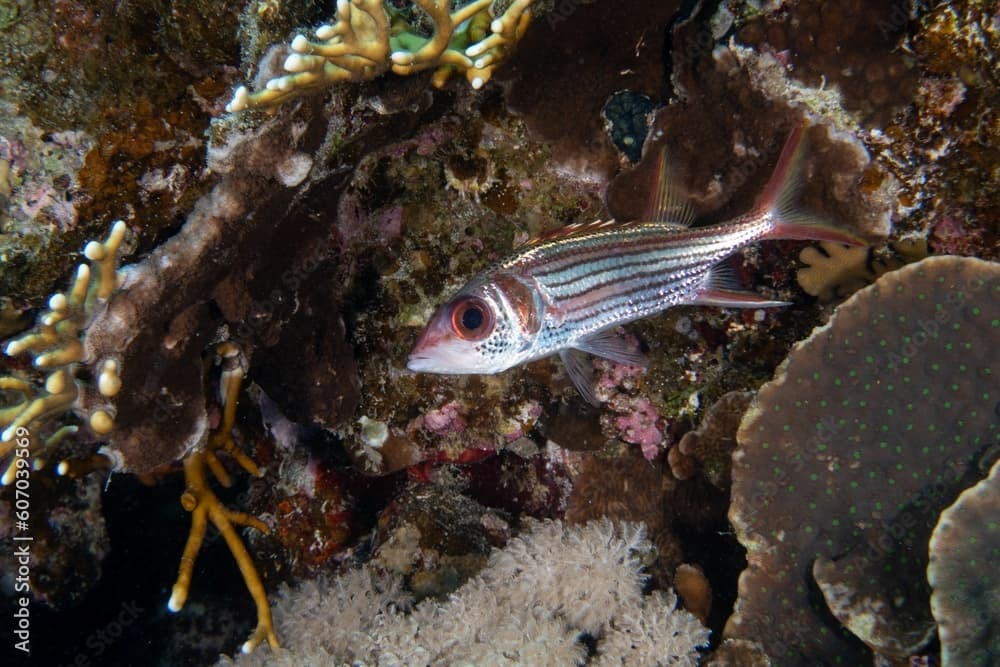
column 735, row 299
column 613, row 346
column 580, row 370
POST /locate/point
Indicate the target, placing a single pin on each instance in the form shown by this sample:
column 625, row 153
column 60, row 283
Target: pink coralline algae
column 951, row 236
column 639, row 423
column 444, row 420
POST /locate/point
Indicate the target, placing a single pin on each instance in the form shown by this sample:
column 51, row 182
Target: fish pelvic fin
column 777, row 203
column 610, row 345
column 606, row 344
column 580, row 370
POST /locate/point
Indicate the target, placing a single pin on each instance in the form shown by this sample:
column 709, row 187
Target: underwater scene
column 390, row 333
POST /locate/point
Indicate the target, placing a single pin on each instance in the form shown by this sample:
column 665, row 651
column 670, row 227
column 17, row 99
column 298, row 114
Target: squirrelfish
column 567, row 292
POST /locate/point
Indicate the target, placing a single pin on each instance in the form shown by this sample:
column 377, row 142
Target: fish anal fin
column 667, row 202
column 735, row 299
column 722, row 288
column 614, row 347
column 580, row 370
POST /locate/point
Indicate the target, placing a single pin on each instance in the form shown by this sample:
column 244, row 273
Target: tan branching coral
column 837, row 271
column 57, row 348
column 367, row 39
column 199, row 499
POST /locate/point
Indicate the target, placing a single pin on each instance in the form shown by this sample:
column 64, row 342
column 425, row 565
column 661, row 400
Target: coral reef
column 319, row 236
column 965, row 542
column 873, row 425
column 370, row 37
column 570, row 64
column 436, row 537
column 68, row 544
column 85, row 143
column 528, row 605
column 846, row 46
column 709, row 448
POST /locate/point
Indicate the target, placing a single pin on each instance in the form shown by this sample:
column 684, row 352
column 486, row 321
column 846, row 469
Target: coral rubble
column 871, row 427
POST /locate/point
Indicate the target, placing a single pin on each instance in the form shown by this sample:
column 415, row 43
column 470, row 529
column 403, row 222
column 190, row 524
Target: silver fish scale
column 597, row 280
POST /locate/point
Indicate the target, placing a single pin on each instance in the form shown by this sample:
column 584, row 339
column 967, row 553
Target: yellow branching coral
column 199, row 499
column 56, row 346
column 367, row 39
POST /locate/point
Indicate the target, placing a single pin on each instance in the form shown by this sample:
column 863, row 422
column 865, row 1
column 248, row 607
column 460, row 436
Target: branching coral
column 873, row 424
column 834, row 270
column 205, row 506
column 56, row 346
column 368, row 38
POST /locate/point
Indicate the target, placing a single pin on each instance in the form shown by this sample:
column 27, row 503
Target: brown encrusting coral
column 963, row 547
column 869, row 429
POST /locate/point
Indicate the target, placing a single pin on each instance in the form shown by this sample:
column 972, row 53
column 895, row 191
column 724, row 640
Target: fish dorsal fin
column 571, row 230
column 667, row 202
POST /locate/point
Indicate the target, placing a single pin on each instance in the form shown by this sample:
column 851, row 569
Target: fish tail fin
column 777, row 203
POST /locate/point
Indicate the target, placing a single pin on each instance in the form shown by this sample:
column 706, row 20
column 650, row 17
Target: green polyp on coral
column 964, row 550
column 367, row 39
column 871, row 427
column 57, row 349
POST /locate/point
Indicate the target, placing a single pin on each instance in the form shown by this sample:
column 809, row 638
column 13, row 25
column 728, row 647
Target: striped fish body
column 606, row 274
column 567, row 292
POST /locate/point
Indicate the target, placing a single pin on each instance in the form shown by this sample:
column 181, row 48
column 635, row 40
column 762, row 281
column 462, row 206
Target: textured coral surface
column 964, row 544
column 886, row 410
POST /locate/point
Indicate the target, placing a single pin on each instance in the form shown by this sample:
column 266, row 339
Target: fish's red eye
column 471, row 318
